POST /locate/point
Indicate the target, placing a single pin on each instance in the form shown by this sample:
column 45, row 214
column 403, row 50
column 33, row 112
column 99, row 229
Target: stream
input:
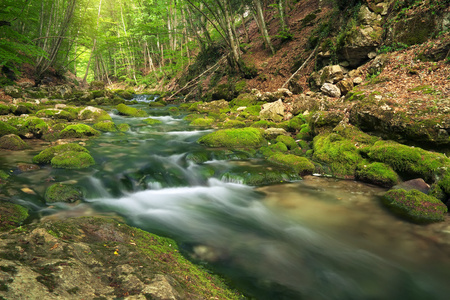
column 317, row 238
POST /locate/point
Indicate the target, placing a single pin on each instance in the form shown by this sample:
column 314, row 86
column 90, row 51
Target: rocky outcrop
column 88, row 258
column 272, row 111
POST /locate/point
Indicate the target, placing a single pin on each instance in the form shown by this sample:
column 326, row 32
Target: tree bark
column 263, row 27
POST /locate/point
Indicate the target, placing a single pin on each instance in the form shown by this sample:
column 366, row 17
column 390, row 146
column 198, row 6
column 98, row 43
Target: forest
column 224, row 149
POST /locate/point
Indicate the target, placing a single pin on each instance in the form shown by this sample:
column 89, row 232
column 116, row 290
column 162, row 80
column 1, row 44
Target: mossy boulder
column 72, row 160
column 410, row 162
column 377, row 173
column 244, row 100
column 123, row 127
column 46, row 155
column 202, row 122
column 59, row 192
column 339, row 153
column 97, row 85
column 324, row 121
column 11, row 215
column 234, row 138
column 213, row 107
column 12, row 142
column 105, row 126
column 6, row 129
column 128, row 95
column 295, row 124
column 259, row 177
column 301, row 165
column 225, row 91
column 35, row 126
column 415, row 206
column 288, row 141
column 93, row 114
column 131, row 111
column 56, row 114
column 78, row 131
column 151, row 121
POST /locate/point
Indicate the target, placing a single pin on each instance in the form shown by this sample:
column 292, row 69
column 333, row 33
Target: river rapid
column 317, row 238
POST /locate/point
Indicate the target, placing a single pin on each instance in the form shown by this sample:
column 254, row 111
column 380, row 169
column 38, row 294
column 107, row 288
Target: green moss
column 233, row 124
column 340, row 154
column 56, row 114
column 408, row 161
column 300, row 165
column 4, row 109
column 98, row 93
column 174, row 111
column 151, row 121
column 78, row 131
column 295, row 124
column 246, row 100
column 62, row 193
column 259, row 177
column 305, row 133
column 202, row 122
column 35, row 126
column 278, row 147
column 234, row 138
column 131, row 111
column 377, row 173
column 12, row 142
column 355, row 135
column 415, row 206
column 11, row 215
column 94, row 114
column 7, row 129
column 46, row 155
column 263, row 124
column 105, row 126
column 72, row 160
column 123, row 127
column 125, row 94
column 3, row 175
column 288, row 141
column 156, row 104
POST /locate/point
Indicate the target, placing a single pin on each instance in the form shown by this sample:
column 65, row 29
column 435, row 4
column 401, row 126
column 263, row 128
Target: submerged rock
column 415, row 206
column 62, row 193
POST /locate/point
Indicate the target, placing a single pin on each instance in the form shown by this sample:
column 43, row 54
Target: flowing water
column 318, row 238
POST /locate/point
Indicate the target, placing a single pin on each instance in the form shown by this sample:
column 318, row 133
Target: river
column 317, row 238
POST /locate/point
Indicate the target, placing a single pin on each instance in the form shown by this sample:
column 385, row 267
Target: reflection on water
column 314, row 239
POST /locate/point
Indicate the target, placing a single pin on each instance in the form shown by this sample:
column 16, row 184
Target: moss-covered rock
column 202, row 122
column 233, row 124
column 300, row 165
column 324, row 121
column 78, row 131
column 128, row 95
column 340, row 154
column 6, row 129
column 72, row 160
column 59, row 192
column 410, row 162
column 213, row 107
column 259, row 177
column 123, row 127
column 11, row 215
column 295, row 124
column 234, row 138
column 46, row 155
column 34, row 125
column 288, row 141
column 244, row 100
column 151, row 121
column 131, row 111
column 12, row 142
column 105, row 126
column 377, row 173
column 56, row 114
column 93, row 114
column 415, row 206
column 4, row 109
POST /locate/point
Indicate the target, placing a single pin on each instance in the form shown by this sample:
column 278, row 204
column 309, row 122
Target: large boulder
column 331, row 90
column 62, row 193
column 93, row 114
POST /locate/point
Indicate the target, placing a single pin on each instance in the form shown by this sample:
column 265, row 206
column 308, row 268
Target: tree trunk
column 262, row 23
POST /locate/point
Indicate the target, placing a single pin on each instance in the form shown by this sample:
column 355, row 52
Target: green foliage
column 395, row 46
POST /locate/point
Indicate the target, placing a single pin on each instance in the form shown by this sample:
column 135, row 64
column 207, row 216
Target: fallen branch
column 301, row 67
column 196, row 78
